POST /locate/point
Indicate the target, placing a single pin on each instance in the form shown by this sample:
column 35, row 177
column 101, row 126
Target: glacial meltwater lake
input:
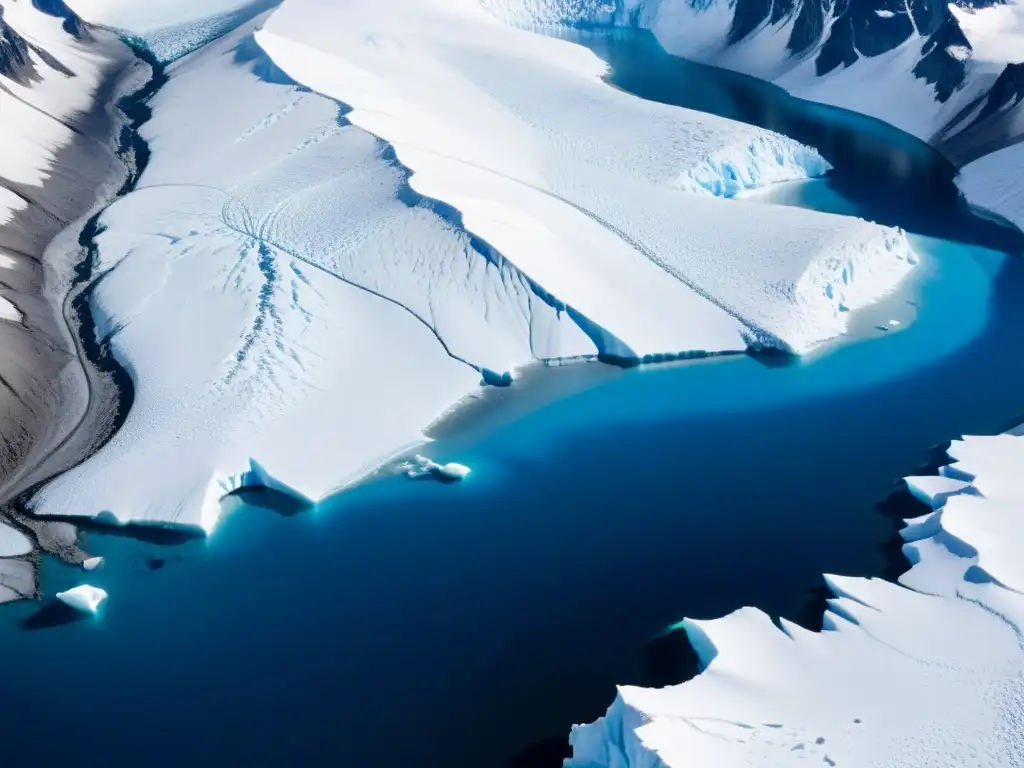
column 406, row 624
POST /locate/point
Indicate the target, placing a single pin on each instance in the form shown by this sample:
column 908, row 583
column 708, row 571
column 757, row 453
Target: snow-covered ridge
column 928, row 672
column 56, row 161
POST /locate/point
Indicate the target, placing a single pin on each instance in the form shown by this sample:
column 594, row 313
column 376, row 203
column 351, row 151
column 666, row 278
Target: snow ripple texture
column 928, row 673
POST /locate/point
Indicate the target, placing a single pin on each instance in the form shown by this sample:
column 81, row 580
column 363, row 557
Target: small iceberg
column 420, row 466
column 92, row 563
column 84, row 598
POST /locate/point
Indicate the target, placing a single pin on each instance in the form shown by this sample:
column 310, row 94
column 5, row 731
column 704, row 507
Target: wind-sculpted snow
column 290, row 312
column 928, row 673
column 581, row 186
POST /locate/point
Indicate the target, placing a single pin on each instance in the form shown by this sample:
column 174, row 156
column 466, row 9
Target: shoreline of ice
column 921, row 673
column 295, row 269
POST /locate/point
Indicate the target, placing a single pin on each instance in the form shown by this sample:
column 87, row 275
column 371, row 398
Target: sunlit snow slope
column 585, row 188
column 927, row 673
column 947, row 72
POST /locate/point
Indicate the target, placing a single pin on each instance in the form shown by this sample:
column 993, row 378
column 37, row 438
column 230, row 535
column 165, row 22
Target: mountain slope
column 949, row 74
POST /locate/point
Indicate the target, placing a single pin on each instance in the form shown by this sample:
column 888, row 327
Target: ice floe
column 928, row 672
column 84, row 598
column 92, row 563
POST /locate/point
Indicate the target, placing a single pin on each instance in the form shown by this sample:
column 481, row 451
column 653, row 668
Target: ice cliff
column 928, row 672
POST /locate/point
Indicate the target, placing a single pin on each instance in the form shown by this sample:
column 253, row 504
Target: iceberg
column 84, row 598
column 922, row 673
column 92, row 563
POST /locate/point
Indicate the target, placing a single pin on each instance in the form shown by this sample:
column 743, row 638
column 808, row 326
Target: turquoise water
column 419, row 624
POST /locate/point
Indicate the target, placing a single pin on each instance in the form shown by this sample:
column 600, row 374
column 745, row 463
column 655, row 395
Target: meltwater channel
column 407, row 624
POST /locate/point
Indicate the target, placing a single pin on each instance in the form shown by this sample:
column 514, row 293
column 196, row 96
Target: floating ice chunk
column 92, row 563
column 894, row 323
column 421, row 466
column 453, row 470
column 84, row 598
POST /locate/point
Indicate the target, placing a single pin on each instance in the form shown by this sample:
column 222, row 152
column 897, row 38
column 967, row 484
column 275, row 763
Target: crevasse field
column 618, row 293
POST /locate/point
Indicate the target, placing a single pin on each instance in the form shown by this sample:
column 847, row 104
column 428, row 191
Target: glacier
column 304, row 278
column 951, row 71
column 928, row 672
column 519, row 133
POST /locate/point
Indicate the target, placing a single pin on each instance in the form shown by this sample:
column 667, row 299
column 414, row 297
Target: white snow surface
column 581, row 186
column 996, row 33
column 882, row 86
column 84, row 598
column 928, row 673
column 34, row 126
column 996, row 182
column 286, row 320
column 293, row 313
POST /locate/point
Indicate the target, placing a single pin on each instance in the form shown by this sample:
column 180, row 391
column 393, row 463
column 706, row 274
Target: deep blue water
column 418, row 624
